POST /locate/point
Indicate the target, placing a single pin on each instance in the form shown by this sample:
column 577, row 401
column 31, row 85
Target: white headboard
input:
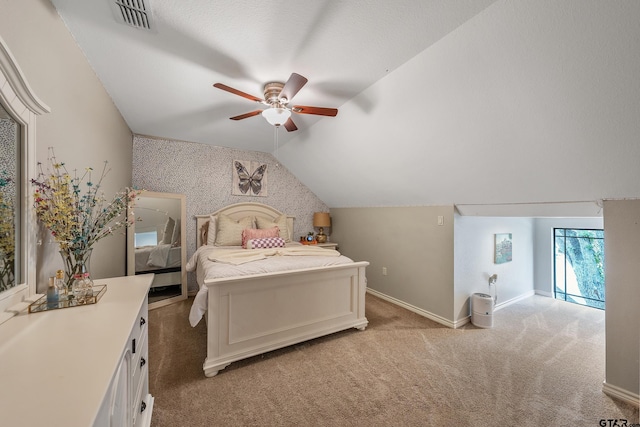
column 238, row 211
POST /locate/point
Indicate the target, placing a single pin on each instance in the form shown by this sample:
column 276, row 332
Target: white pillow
column 211, row 233
column 175, row 237
column 229, row 231
column 280, row 222
column 168, row 231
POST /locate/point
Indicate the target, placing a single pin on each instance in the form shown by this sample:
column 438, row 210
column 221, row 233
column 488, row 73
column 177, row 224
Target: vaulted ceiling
column 162, row 79
column 501, row 103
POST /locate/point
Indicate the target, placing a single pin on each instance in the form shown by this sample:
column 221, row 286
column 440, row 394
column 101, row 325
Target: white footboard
column 254, row 314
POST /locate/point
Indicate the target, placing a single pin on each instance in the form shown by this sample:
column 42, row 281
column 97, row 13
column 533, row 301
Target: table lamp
column 321, row 219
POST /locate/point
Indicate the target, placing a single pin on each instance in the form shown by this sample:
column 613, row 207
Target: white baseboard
column 621, row 394
column 461, row 322
column 417, row 310
column 446, row 322
column 544, row 293
column 513, row 300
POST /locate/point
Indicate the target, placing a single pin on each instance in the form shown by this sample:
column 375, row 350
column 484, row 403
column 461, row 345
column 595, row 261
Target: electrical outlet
column 384, row 271
column 440, row 220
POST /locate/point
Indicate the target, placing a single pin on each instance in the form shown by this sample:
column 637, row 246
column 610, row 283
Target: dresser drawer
column 140, row 365
column 140, row 409
column 143, row 405
column 140, row 326
column 138, row 338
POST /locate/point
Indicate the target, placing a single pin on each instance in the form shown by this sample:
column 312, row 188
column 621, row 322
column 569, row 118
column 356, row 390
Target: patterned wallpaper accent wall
column 203, row 173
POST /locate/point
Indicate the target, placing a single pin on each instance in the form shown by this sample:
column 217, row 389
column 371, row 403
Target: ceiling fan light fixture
column 276, row 97
column 276, row 116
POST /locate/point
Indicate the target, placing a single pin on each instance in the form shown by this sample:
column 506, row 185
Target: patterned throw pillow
column 252, row 233
column 266, row 242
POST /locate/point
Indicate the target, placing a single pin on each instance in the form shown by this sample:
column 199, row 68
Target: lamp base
column 321, row 237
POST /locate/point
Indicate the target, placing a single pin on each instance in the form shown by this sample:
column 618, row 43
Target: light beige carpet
column 541, row 365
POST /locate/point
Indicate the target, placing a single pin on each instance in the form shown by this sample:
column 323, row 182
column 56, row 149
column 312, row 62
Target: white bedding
column 156, row 257
column 294, row 257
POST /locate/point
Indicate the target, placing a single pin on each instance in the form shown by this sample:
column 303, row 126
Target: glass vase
column 75, row 263
column 82, row 288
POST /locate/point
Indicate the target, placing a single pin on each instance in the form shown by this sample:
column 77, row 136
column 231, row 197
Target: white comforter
column 160, row 256
column 233, row 262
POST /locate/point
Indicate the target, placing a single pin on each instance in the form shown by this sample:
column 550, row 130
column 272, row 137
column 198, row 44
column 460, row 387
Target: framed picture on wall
column 503, row 247
column 249, row 178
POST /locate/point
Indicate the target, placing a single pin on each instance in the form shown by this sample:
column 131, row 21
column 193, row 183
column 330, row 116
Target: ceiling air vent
column 134, row 13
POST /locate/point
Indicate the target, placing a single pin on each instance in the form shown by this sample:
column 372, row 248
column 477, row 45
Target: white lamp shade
column 276, row 116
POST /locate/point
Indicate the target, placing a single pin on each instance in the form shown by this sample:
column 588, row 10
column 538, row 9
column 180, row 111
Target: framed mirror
column 156, row 243
column 19, row 107
column 10, row 274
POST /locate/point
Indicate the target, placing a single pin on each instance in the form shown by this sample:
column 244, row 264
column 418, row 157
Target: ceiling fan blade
column 290, row 126
column 292, row 86
column 246, row 115
column 319, row 111
column 237, row 92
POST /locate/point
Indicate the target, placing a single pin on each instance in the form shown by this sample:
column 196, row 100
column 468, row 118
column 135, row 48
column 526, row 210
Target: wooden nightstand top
column 330, row 245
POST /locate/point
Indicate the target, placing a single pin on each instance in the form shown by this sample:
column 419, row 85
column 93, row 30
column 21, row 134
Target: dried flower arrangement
column 76, row 220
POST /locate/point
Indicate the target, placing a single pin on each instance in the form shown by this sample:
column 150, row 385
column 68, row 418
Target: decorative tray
column 66, row 301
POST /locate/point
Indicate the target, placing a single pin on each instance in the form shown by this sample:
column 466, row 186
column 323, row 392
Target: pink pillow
column 266, row 242
column 256, row 233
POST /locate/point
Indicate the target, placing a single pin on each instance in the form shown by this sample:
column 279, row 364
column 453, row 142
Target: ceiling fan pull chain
column 275, row 143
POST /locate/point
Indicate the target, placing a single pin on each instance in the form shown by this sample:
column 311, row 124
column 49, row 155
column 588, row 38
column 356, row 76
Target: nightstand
column 328, row 245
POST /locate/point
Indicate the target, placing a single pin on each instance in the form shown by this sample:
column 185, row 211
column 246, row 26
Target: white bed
column 163, row 260
column 150, row 258
column 249, row 312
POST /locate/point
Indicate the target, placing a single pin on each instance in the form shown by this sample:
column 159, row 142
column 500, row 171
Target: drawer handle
column 133, row 346
column 142, row 321
column 142, row 362
column 143, row 406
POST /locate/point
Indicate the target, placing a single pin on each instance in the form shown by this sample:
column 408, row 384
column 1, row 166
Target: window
column 149, row 238
column 579, row 266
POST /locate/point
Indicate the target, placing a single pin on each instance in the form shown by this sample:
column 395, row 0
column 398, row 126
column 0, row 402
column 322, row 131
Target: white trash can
column 482, row 310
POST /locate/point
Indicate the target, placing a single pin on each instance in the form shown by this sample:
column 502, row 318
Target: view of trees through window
column 579, row 266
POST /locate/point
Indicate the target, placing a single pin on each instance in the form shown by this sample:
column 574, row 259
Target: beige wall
column 84, row 126
column 417, row 253
column 622, row 272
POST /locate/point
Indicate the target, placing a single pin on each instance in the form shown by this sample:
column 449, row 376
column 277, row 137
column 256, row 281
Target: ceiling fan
column 277, row 96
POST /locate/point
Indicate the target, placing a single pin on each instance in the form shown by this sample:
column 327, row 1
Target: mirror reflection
column 9, row 200
column 156, row 245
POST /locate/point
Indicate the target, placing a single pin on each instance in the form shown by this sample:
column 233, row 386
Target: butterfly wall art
column 249, row 178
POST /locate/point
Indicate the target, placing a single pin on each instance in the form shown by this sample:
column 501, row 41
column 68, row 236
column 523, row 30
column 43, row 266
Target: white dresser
column 81, row 366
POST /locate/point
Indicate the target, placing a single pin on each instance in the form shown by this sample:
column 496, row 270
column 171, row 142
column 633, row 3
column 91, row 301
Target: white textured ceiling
column 161, row 80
